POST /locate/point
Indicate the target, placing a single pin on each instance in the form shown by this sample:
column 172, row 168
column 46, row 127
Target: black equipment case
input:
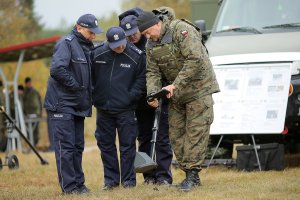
column 271, row 157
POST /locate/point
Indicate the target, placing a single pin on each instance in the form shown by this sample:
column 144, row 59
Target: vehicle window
column 257, row 14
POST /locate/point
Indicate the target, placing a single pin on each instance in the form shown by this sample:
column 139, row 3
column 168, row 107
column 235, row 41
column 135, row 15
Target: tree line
column 19, row 23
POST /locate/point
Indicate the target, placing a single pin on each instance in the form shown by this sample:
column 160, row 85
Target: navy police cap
column 89, row 21
column 129, row 25
column 116, row 37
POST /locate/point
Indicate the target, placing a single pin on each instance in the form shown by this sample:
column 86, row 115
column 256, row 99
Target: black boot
column 192, row 180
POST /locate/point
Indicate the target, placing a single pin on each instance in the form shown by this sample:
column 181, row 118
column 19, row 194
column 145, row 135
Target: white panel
column 253, row 98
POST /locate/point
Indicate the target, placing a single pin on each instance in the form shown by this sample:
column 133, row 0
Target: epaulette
column 69, row 38
column 96, row 45
column 135, row 49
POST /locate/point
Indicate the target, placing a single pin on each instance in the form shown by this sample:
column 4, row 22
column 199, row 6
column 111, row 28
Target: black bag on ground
column 271, row 157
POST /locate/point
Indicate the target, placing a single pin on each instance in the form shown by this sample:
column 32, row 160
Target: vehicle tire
column 13, row 162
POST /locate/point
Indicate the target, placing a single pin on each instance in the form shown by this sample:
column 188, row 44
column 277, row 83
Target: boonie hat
column 129, row 25
column 146, row 20
column 89, row 21
column 116, row 37
column 164, row 11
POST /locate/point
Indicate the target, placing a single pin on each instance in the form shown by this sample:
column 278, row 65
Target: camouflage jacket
column 180, row 57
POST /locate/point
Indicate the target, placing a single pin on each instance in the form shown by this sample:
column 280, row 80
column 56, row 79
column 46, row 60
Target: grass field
column 37, row 182
column 34, row 181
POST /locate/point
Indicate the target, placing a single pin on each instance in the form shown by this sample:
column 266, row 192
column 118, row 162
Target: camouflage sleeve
column 189, row 43
column 153, row 74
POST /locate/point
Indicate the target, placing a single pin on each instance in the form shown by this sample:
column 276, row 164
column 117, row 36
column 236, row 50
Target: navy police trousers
column 163, row 149
column 126, row 125
column 68, row 132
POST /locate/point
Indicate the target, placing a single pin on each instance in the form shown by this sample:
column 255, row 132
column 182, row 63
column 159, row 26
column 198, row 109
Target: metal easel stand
column 32, row 121
column 256, row 154
column 219, row 142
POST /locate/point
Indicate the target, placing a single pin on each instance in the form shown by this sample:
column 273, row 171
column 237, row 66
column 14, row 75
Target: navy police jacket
column 118, row 79
column 69, row 85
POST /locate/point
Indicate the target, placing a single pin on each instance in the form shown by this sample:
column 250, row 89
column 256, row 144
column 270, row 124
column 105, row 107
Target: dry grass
column 34, row 181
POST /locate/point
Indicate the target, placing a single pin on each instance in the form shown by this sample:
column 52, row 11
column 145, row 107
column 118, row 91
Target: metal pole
column 5, row 83
column 212, row 157
column 155, row 129
column 256, row 154
column 16, row 95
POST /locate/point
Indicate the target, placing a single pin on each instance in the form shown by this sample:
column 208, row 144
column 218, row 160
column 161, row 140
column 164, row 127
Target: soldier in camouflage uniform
column 175, row 51
column 32, row 105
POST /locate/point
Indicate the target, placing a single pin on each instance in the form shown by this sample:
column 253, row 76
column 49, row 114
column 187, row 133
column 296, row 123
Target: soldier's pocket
column 209, row 113
column 163, row 53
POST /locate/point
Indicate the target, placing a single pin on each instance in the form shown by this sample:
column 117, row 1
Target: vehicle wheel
column 1, row 166
column 13, row 162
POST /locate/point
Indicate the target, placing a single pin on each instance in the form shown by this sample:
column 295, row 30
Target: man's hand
column 154, row 103
column 171, row 89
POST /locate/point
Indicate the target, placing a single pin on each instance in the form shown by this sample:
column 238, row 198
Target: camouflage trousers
column 189, row 131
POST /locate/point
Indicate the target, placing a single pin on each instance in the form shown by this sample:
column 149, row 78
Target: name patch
column 100, row 61
column 125, row 65
column 58, row 115
column 81, row 59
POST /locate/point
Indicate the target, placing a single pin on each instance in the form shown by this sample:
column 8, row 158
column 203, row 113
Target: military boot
column 192, row 180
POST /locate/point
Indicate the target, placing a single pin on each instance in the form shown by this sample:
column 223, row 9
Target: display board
column 253, row 98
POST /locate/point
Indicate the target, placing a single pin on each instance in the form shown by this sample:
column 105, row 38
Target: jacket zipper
column 112, row 69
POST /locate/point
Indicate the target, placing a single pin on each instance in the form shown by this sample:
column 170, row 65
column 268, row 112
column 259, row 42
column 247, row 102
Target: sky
column 55, row 13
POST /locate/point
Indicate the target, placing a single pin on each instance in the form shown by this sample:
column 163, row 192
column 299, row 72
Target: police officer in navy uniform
column 68, row 101
column 145, row 114
column 118, row 82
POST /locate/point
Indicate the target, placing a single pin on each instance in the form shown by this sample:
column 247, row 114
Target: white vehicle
column 251, row 32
